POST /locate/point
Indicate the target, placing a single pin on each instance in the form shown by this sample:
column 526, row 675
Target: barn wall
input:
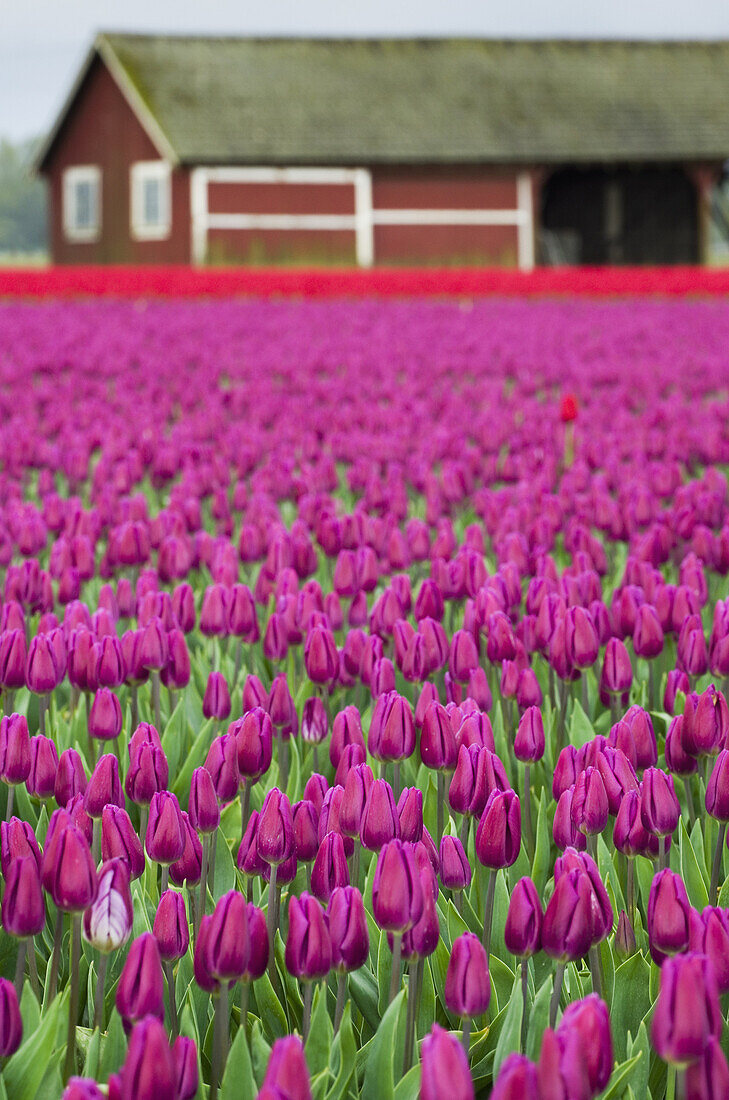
column 424, row 188
column 102, row 129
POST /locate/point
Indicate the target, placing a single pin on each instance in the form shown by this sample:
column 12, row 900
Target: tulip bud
column 14, row 749
column 629, row 834
column 23, row 911
column 668, row 914
column 11, row 1024
column 107, row 923
column 149, row 1071
column 498, row 837
column 203, row 808
column 567, row 924
column 523, row 929
column 222, row 763
column 188, row 868
column 104, row 787
column 624, row 944
column 397, row 896
column 165, row 836
column 380, row 820
column 275, row 834
column 41, row 779
column 660, row 808
column 83, row 1088
column 287, row 1074
column 410, row 813
column 68, row 871
column 517, row 1079
column 529, row 740
column 348, row 929
column 308, row 952
column 257, row 944
column 589, row 802
column 455, row 868
column 17, row 839
column 330, row 867
column 184, row 1057
column 119, row 840
column 140, row 991
column 467, row 984
column 437, row 740
column 254, row 740
column 589, row 1020
column 148, row 772
column 226, row 953
column 170, row 928
column 687, row 1013
column 445, row 1067
column 216, row 701
column 70, row 777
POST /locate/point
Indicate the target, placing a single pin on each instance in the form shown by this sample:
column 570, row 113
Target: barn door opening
column 619, row 216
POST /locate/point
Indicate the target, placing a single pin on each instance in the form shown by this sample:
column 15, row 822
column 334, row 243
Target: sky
column 43, row 42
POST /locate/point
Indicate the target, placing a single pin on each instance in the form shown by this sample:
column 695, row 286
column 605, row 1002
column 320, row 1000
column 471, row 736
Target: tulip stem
column 489, row 913
column 671, row 1083
column 245, row 989
column 211, row 865
column 283, row 762
column 585, row 695
column 156, row 700
column 245, row 805
column 270, row 920
column 528, row 826
column 99, row 993
column 441, row 806
column 466, row 1035
column 716, row 866
column 306, row 1021
column 355, row 863
column 143, row 819
column 651, row 687
column 556, row 992
column 56, row 957
column 11, row 799
column 411, row 1014
column 397, row 790
column 170, row 976
column 203, row 879
column 20, row 967
column 96, row 842
column 42, row 702
column 134, row 694
column 73, row 1003
column 238, row 660
column 689, row 801
column 662, row 853
column 341, row 999
column 33, row 968
column 630, row 891
column 594, row 960
column 219, row 1039
column 164, row 878
column 465, row 826
column 524, row 1001
column 395, row 977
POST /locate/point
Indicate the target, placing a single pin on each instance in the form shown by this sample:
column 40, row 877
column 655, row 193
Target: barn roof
column 306, row 100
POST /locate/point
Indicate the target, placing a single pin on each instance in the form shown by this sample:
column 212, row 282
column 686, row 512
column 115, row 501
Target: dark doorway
column 620, row 216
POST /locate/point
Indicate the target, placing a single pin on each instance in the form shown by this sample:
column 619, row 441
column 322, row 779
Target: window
column 151, row 205
column 82, row 203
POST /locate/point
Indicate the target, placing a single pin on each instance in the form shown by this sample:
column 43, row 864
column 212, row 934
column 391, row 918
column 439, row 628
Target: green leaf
column 510, row 1038
column 379, row 1080
column 542, row 853
column 195, row 758
column 384, row 974
column 320, row 1036
column 619, row 1080
column 225, row 876
column 426, row 1008
column 260, row 1053
column 363, row 987
column 581, row 728
column 271, row 1011
column 115, row 1047
column 238, row 1080
column 690, row 872
column 639, row 1045
column 343, row 1055
column 631, row 1000
column 24, row 1072
column 502, row 980
column 501, row 911
column 408, row 1087
column 539, row 1019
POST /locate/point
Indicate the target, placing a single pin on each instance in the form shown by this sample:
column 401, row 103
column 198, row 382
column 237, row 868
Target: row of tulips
column 363, row 745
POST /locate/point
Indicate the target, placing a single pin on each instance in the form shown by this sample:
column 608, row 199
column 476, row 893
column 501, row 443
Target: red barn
column 391, row 151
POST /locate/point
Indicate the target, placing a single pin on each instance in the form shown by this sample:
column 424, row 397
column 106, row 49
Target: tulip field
column 363, row 669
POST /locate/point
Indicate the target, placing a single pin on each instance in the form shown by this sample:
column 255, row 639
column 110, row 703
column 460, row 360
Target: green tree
column 22, row 200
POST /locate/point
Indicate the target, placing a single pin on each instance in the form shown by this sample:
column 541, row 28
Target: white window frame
column 80, row 173
column 140, row 173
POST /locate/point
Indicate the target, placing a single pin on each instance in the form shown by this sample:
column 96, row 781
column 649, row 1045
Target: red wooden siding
column 102, row 129
column 280, row 198
column 443, row 188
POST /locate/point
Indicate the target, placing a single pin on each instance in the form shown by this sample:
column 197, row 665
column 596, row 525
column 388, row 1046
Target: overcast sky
column 42, row 42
